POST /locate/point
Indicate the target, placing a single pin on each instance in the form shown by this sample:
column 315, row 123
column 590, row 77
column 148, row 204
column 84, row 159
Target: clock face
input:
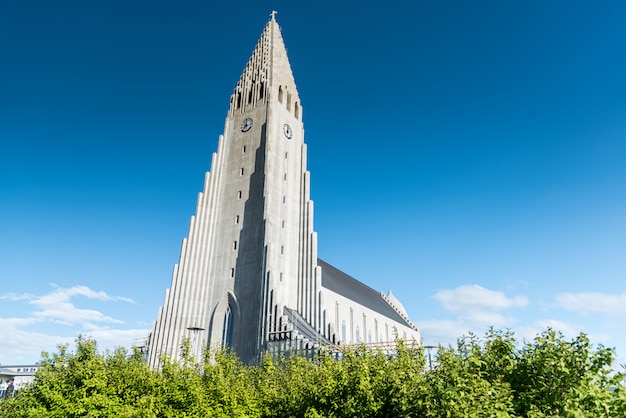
column 287, row 131
column 246, row 125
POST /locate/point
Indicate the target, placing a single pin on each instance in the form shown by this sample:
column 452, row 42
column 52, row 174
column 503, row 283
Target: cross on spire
column 273, row 14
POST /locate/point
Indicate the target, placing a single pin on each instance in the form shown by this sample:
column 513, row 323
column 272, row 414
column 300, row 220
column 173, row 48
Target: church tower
column 251, row 249
column 248, row 276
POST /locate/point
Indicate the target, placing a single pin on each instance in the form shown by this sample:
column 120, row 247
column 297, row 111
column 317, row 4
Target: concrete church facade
column 249, row 277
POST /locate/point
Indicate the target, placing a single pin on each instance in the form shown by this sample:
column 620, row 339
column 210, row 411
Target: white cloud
column 68, row 314
column 57, row 308
column 488, row 318
column 569, row 330
column 15, row 297
column 441, row 331
column 473, row 299
column 64, row 294
column 8, row 324
column 26, row 347
column 530, row 331
column 592, row 302
column 475, row 308
column 108, row 339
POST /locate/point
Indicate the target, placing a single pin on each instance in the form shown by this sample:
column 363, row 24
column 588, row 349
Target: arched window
column 227, row 331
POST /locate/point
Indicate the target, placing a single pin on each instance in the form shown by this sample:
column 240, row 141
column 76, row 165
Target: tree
column 555, row 377
column 493, row 376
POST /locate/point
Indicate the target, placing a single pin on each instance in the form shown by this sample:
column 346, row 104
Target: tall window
column 227, row 331
column 343, row 332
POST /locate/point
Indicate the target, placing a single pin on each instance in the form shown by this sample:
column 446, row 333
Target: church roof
column 349, row 287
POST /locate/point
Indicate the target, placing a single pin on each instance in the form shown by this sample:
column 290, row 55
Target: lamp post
column 195, row 330
column 429, row 349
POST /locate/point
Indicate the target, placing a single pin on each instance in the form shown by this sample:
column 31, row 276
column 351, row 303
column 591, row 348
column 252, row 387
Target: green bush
column 493, row 376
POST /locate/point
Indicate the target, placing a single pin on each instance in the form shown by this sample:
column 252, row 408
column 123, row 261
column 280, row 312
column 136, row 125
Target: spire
column 267, row 72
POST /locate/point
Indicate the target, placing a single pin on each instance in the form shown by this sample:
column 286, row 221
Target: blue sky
column 468, row 155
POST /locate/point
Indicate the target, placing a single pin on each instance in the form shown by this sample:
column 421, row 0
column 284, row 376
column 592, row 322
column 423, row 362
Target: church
column 249, row 277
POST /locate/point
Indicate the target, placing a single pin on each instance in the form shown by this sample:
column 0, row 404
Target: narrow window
column 239, row 194
column 237, row 219
column 234, row 245
column 284, row 199
column 297, row 111
column 286, row 155
column 282, row 224
column 243, row 149
column 288, row 101
column 281, row 277
column 343, row 332
column 282, row 249
column 351, row 325
column 337, row 318
column 280, row 95
column 232, row 272
column 364, row 327
column 227, row 329
column 241, row 171
column 285, row 177
column 376, row 335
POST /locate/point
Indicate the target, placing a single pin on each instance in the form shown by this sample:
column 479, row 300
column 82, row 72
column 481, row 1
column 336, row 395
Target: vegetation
column 494, row 376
